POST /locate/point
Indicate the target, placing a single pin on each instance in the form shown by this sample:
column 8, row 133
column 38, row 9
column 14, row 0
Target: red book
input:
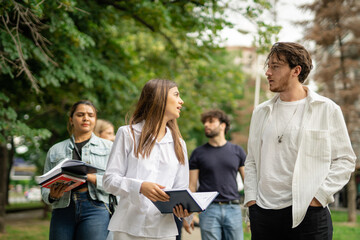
column 72, row 172
column 72, row 181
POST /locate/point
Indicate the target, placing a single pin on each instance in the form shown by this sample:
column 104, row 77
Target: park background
column 55, row 52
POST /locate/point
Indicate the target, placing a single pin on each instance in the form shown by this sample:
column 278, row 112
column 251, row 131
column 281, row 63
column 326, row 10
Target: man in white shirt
column 299, row 153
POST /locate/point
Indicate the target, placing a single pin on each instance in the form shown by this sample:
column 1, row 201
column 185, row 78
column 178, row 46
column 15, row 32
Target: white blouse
column 135, row 213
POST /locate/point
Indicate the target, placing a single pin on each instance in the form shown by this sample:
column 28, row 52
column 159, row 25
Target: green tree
column 53, row 53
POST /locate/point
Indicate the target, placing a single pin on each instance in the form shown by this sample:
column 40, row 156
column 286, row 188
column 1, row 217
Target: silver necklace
column 279, row 137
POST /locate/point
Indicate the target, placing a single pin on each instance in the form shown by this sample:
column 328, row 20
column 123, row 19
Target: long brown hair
column 151, row 109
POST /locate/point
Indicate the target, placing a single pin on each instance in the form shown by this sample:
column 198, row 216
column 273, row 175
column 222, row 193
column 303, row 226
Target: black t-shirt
column 77, row 156
column 78, row 148
column 218, row 167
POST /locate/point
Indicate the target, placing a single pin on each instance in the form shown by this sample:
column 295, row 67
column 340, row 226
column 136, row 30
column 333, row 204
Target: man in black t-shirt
column 214, row 166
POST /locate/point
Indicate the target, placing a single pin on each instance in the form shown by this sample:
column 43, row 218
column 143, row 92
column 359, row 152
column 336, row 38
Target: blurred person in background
column 104, row 129
column 215, row 166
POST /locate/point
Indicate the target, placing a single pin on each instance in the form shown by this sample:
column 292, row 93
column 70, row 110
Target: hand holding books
column 192, row 202
column 180, row 212
column 70, row 173
column 90, row 177
column 57, row 190
column 154, row 192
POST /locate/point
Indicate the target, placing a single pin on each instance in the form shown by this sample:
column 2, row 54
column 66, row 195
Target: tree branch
column 35, row 27
column 23, row 66
column 152, row 28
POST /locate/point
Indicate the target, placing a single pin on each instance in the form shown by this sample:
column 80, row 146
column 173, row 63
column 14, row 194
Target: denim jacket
column 95, row 152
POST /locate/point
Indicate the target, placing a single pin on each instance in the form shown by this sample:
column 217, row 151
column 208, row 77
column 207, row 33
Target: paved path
column 195, row 235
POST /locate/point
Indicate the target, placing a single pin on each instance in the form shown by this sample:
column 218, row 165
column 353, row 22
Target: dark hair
column 73, row 109
column 151, row 109
column 219, row 114
column 295, row 55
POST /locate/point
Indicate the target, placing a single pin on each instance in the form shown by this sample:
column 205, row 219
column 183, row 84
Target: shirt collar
column 312, row 97
column 167, row 138
column 94, row 140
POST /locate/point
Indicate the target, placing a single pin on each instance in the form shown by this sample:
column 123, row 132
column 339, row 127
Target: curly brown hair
column 219, row 114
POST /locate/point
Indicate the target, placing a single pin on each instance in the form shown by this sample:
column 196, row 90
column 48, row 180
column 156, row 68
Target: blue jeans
column 221, row 222
column 84, row 218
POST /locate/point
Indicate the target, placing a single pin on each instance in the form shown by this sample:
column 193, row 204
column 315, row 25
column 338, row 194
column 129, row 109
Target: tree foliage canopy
column 53, row 53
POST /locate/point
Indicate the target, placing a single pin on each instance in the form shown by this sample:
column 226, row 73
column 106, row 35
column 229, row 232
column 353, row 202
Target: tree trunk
column 3, row 187
column 352, row 199
column 10, row 158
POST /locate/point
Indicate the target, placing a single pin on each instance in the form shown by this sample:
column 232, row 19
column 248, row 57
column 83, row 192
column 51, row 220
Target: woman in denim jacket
column 81, row 213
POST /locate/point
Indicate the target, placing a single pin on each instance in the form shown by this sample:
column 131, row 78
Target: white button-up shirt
column 325, row 156
column 136, row 214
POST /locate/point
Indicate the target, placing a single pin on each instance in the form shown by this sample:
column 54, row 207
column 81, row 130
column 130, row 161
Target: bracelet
column 53, row 199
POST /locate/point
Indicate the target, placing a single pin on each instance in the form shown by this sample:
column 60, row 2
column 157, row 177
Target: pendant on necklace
column 279, row 138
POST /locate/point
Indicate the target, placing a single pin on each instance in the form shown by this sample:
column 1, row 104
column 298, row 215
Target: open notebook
column 193, row 202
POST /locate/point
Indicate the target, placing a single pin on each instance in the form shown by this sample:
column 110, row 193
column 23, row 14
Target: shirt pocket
column 99, row 157
column 318, row 144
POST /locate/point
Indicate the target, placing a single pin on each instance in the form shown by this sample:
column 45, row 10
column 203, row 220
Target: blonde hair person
column 104, row 129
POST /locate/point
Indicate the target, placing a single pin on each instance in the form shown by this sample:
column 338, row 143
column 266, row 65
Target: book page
column 204, row 198
column 53, row 171
column 193, row 202
column 70, row 166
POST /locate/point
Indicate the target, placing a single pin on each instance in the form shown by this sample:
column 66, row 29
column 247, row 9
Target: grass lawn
column 33, row 229
column 344, row 230
column 37, row 229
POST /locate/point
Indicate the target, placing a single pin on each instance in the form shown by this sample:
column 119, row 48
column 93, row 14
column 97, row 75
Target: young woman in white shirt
column 148, row 155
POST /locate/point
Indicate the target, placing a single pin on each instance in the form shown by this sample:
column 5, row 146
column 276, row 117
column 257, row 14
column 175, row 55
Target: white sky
column 287, row 13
